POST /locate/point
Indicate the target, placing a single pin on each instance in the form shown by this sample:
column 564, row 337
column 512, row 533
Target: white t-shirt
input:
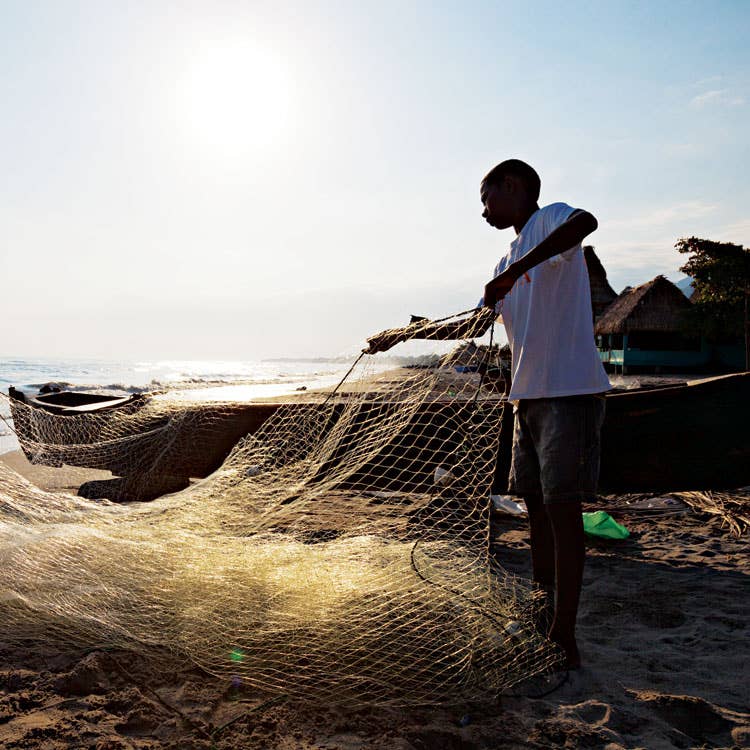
column 547, row 316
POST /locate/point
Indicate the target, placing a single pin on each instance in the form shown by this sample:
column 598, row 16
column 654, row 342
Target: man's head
column 509, row 192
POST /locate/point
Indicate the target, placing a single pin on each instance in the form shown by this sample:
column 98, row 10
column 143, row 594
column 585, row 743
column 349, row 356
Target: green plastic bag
column 602, row 524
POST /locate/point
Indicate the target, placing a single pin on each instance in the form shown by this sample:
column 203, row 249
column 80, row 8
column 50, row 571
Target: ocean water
column 201, row 379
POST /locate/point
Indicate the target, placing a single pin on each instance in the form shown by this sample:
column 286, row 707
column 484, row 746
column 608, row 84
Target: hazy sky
column 239, row 179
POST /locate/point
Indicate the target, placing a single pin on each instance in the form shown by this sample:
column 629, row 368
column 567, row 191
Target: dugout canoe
column 73, row 402
column 676, row 437
column 151, row 442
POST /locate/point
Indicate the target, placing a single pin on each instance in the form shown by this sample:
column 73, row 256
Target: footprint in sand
column 696, row 718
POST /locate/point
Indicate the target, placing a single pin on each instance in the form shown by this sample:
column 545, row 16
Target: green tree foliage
column 721, row 278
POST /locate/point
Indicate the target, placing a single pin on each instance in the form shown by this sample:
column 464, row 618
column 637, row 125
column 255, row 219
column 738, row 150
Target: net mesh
column 338, row 554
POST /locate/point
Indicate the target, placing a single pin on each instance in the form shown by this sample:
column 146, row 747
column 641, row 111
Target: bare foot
column 567, row 643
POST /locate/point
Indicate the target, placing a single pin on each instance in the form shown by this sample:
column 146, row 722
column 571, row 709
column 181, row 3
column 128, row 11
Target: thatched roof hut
column 602, row 294
column 657, row 305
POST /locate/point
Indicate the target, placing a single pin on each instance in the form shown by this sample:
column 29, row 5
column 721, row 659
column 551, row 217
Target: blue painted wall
column 653, row 358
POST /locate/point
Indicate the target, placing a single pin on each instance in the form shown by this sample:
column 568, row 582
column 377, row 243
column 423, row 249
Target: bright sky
column 240, row 179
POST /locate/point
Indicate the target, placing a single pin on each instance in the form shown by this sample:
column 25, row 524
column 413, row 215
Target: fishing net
column 338, row 553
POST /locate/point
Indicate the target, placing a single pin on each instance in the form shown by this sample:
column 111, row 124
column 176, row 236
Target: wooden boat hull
column 191, row 442
column 692, row 436
column 684, row 437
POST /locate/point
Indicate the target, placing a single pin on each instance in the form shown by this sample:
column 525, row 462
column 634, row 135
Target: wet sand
column 64, row 479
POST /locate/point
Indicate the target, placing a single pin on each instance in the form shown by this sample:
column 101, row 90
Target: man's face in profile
column 497, row 200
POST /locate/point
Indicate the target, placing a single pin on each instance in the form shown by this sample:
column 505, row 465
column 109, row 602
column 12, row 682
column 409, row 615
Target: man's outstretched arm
column 473, row 325
column 579, row 225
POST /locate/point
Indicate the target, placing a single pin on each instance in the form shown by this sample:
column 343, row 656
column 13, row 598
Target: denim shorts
column 556, row 447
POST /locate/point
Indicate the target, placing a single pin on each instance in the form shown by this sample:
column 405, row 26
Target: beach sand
column 64, row 479
column 663, row 631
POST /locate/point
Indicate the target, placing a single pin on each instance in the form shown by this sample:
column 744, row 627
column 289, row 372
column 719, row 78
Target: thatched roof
column 657, row 305
column 602, row 294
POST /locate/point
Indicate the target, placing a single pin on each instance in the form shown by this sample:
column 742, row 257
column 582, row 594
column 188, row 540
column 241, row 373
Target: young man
column 541, row 289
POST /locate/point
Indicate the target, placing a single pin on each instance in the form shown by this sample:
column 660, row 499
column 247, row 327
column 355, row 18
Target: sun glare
column 236, row 100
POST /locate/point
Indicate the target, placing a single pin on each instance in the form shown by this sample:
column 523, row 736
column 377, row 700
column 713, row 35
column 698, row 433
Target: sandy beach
column 663, row 631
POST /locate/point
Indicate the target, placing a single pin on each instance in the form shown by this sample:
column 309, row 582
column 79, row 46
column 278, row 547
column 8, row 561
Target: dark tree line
column 721, row 279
